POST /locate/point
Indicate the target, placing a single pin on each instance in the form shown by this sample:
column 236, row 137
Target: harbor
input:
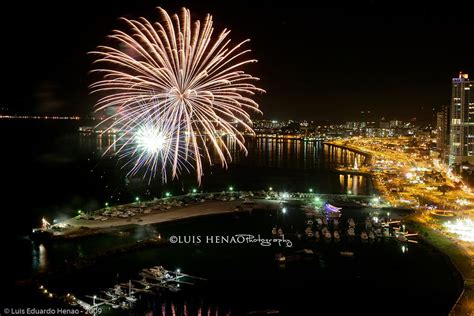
column 344, row 234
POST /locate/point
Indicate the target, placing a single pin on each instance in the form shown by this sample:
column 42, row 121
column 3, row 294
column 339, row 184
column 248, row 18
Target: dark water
column 51, row 170
column 47, row 171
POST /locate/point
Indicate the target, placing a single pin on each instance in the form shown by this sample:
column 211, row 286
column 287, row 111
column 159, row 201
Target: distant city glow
column 39, row 117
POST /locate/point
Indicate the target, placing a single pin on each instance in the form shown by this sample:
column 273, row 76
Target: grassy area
column 460, row 253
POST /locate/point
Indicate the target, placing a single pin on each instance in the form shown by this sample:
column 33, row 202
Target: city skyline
column 238, row 158
column 328, row 63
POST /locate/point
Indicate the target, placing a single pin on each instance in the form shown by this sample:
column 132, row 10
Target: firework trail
column 176, row 89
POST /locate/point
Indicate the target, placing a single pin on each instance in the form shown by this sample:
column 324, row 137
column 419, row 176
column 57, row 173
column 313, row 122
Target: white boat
column 351, row 222
column 351, row 231
column 280, row 257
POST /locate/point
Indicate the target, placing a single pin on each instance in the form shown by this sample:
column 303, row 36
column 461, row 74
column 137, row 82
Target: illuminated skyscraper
column 442, row 133
column 461, row 141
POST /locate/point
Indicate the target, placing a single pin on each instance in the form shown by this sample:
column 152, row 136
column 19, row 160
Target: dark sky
column 394, row 58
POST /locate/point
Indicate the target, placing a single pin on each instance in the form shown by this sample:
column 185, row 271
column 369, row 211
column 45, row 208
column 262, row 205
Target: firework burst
column 178, row 89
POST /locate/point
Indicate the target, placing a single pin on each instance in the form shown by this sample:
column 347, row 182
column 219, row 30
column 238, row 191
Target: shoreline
column 459, row 253
column 83, row 227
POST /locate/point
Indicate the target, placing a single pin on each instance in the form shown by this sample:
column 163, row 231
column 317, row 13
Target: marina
column 125, row 295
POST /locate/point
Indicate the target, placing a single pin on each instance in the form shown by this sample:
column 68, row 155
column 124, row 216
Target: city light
column 167, row 194
column 464, row 228
column 283, row 210
column 194, row 190
column 137, row 199
column 310, row 190
column 231, row 188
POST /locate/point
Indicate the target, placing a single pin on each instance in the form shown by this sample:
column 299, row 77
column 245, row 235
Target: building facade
column 442, row 133
column 461, row 139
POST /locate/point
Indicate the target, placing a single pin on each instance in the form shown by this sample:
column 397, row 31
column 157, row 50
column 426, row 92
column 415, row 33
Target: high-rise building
column 461, row 139
column 442, row 133
column 396, row 124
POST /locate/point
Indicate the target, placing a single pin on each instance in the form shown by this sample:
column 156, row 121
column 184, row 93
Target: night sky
column 320, row 62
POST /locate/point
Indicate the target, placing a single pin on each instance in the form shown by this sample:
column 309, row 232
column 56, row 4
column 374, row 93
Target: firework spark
column 180, row 83
column 151, row 146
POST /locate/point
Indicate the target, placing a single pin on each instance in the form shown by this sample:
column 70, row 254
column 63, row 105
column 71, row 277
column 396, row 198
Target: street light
column 178, row 270
column 137, row 199
column 270, row 189
column 310, row 190
column 194, row 190
column 231, row 188
column 283, row 210
column 167, row 194
column 79, row 212
column 106, row 204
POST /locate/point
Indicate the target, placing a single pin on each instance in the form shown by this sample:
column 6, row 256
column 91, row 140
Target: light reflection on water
column 38, row 254
column 262, row 151
column 271, row 154
column 424, row 270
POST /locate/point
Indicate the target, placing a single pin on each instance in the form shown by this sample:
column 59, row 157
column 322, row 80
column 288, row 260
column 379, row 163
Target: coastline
column 460, row 254
column 82, row 227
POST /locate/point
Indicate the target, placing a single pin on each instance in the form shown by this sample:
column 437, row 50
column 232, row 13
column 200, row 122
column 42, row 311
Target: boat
column 346, row 253
column 279, row 257
column 331, row 208
column 351, row 231
column 308, row 251
column 351, row 222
